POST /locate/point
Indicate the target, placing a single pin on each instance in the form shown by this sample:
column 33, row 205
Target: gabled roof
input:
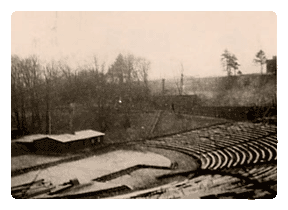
column 85, row 134
column 80, row 135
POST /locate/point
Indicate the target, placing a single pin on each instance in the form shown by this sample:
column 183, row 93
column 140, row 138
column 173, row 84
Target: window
column 92, row 141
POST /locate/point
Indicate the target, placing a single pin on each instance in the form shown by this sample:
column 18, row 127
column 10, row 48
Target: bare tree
column 27, row 93
column 17, row 94
column 145, row 67
column 37, row 83
column 180, row 85
column 32, row 80
column 38, row 90
column 182, row 80
column 51, row 75
column 69, row 89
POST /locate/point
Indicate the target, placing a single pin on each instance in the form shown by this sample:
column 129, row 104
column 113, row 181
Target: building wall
column 271, row 65
column 15, row 133
column 74, row 145
column 48, row 145
column 26, row 148
column 90, row 142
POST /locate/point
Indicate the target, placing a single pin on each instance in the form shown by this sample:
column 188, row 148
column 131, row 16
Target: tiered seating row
column 237, row 144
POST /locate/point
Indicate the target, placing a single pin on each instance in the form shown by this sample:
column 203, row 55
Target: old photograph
column 143, row 105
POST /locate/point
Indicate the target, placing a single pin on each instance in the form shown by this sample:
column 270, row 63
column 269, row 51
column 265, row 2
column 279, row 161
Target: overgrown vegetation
column 45, row 97
column 244, row 90
column 170, row 123
column 55, row 98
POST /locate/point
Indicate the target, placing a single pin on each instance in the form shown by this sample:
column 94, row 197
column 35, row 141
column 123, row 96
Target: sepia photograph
column 144, row 105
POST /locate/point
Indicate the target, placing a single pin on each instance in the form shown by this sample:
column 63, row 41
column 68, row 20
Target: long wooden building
column 62, row 142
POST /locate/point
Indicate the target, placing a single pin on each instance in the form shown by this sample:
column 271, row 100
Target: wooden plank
column 60, row 189
column 27, row 184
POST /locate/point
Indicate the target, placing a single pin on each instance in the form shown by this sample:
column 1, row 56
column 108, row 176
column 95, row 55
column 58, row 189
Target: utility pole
column 181, row 85
column 182, row 80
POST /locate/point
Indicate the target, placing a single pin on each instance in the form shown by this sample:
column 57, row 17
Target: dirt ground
column 145, row 178
column 115, row 160
column 93, row 167
column 25, row 161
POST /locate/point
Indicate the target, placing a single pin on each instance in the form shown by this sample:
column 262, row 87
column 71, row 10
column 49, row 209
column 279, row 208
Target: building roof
column 30, row 138
column 80, row 135
column 85, row 134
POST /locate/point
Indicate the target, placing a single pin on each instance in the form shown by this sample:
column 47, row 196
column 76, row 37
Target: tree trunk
column 72, row 113
column 32, row 110
column 48, row 120
column 261, row 68
column 228, row 70
column 17, row 119
column 48, row 114
column 121, row 79
column 38, row 116
column 23, row 116
column 15, row 106
column 38, row 127
column 130, row 69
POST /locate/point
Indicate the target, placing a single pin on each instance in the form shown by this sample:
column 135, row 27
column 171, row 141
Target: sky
column 167, row 39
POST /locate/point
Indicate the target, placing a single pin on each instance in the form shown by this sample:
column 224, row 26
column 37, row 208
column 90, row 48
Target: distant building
column 62, row 142
column 271, row 65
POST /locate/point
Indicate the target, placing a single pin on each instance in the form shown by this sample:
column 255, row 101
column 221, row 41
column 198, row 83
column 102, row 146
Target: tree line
column 230, row 62
column 39, row 88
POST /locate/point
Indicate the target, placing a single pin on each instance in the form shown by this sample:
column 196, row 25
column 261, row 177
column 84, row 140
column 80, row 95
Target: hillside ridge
column 243, row 90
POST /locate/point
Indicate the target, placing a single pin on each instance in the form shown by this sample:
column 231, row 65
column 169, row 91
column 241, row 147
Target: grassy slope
column 140, row 127
column 170, row 122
